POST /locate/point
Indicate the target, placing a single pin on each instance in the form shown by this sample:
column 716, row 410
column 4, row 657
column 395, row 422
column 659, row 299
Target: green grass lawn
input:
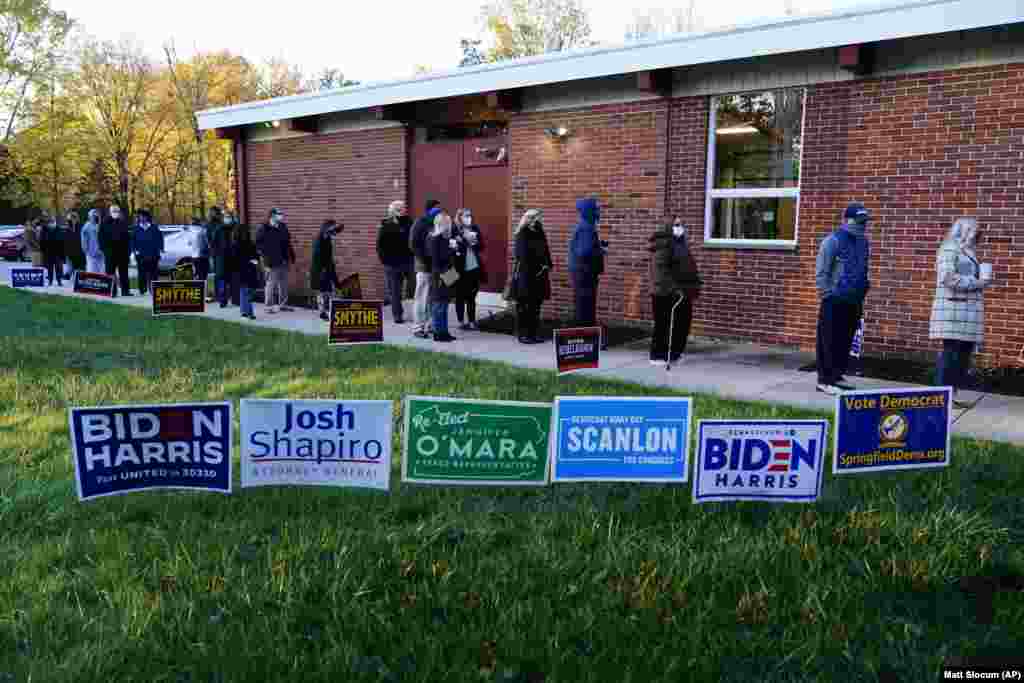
column 596, row 582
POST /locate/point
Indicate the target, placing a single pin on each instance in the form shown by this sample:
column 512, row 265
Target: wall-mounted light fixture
column 275, row 124
column 558, row 133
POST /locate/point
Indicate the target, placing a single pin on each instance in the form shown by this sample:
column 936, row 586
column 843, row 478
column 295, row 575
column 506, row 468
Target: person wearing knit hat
column 842, row 280
column 395, row 255
column 419, row 237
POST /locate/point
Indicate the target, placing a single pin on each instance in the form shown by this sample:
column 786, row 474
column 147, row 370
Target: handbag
column 450, row 277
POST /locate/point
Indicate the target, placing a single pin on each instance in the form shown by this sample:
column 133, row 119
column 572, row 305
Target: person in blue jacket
column 148, row 245
column 842, row 280
column 586, row 261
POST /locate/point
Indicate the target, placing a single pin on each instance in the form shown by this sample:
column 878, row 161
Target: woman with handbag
column 530, row 284
column 470, row 268
column 443, row 248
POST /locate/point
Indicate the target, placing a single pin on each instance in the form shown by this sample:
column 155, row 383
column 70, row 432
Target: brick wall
column 349, row 176
column 614, row 152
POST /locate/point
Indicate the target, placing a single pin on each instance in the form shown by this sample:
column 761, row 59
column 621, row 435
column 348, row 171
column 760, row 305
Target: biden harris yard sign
column 621, row 439
column 320, row 443
column 894, row 429
column 475, row 443
column 134, row 448
column 771, row 460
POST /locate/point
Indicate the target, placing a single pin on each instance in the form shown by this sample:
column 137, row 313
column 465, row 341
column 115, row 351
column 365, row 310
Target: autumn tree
column 328, row 79
column 277, row 78
column 522, row 28
column 32, row 36
column 657, row 22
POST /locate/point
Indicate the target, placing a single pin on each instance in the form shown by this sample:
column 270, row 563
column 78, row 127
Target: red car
column 12, row 243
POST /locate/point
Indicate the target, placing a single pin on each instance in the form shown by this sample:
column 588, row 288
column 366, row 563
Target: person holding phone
column 442, row 247
column 958, row 309
column 470, row 267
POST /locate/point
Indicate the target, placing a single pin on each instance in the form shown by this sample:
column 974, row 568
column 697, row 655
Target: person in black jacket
column 73, row 245
column 675, row 282
column 442, row 247
column 394, row 253
column 221, row 232
column 51, row 242
column 470, row 266
column 275, row 245
column 323, row 274
column 418, row 244
column 116, row 243
column 247, row 259
column 531, row 284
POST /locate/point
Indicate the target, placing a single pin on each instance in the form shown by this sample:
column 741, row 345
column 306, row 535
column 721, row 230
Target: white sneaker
column 830, row 389
column 655, row 361
column 271, row 309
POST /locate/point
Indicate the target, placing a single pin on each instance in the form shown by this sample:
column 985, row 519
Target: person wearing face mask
column 116, row 242
column 323, row 274
column 442, row 247
column 958, row 309
column 247, row 259
column 395, row 255
column 530, row 284
column 842, row 281
column 419, row 244
column 675, row 279
column 148, row 244
column 275, row 245
column 221, row 232
column 51, row 242
column 75, row 257
column 469, row 266
column 586, row 261
column 94, row 262
column 33, row 233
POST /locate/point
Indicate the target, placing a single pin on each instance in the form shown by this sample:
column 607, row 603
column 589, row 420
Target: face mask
column 467, row 220
column 274, row 220
column 115, row 214
column 678, row 230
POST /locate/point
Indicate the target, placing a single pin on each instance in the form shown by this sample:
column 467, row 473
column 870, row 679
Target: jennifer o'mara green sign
column 473, row 443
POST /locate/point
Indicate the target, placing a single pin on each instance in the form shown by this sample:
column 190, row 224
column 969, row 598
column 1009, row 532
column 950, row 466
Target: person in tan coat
column 958, row 310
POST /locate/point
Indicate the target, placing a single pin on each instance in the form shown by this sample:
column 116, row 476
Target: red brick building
column 757, row 136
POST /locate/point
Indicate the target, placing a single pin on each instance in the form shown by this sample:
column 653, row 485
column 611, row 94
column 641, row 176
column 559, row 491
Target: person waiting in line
column 395, row 255
column 148, row 245
column 323, row 274
column 842, row 281
column 674, row 279
column 531, row 282
column 221, row 235
column 469, row 266
column 247, row 259
column 275, row 245
column 419, row 236
column 116, row 243
column 94, row 262
column 201, row 264
column 442, row 247
column 231, row 279
column 75, row 257
column 958, row 309
column 51, row 242
column 33, row 235
column 586, row 264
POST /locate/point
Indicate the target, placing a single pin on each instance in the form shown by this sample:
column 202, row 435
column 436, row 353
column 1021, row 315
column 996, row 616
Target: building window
column 753, row 175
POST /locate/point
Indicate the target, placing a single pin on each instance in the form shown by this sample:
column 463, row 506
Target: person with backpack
column 323, row 274
column 419, row 245
column 843, row 283
column 148, row 245
column 675, row 280
column 395, row 255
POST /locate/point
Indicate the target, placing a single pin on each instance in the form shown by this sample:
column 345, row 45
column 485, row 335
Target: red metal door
column 436, row 174
column 486, row 193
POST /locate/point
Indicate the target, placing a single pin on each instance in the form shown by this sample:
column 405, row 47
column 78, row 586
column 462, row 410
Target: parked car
column 179, row 247
column 12, row 243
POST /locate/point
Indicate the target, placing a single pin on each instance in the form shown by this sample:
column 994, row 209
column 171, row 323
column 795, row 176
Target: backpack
column 853, row 283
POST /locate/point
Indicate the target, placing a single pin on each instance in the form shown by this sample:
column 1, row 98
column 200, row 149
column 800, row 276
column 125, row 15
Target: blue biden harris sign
column 768, row 460
column 621, row 439
column 135, row 448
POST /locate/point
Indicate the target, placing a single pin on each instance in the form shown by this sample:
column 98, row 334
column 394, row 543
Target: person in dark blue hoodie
column 586, row 261
column 148, row 245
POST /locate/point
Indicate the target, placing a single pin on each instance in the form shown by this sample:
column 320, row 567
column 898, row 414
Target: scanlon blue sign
column 28, row 277
column 621, row 439
column 122, row 449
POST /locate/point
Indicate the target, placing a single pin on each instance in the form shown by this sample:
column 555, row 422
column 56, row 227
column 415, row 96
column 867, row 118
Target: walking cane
column 671, row 326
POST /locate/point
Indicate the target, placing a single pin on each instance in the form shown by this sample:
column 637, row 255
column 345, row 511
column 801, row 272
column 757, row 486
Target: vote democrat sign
column 134, row 448
column 894, row 429
column 771, row 460
column 464, row 442
column 621, row 439
column 319, row 443
column 28, row 277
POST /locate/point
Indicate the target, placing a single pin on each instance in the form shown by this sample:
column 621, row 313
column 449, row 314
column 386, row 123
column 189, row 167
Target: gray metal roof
column 858, row 25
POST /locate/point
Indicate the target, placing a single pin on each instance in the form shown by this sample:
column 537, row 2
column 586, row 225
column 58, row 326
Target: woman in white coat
column 958, row 311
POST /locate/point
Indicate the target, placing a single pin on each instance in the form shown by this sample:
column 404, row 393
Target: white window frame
column 711, row 194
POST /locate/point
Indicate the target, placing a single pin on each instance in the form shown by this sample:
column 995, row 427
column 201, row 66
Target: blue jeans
column 245, row 297
column 222, row 290
column 954, row 361
column 439, row 315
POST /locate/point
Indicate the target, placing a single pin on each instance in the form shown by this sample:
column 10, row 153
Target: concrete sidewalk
column 731, row 370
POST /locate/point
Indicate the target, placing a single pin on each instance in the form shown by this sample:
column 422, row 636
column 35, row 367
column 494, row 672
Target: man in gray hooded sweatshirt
column 94, row 262
column 842, row 280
